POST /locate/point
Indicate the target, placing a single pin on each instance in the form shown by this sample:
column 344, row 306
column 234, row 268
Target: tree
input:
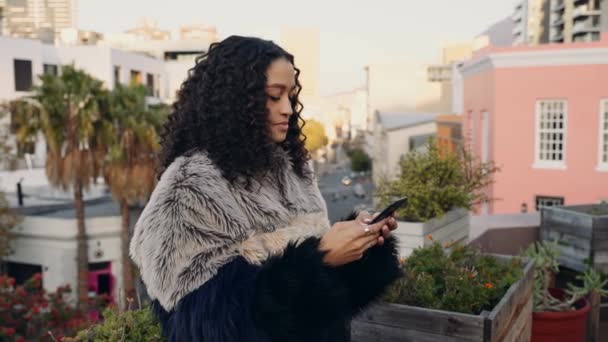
column 131, row 162
column 315, row 135
column 360, row 161
column 8, row 217
column 67, row 109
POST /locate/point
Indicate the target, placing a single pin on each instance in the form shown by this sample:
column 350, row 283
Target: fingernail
column 367, row 220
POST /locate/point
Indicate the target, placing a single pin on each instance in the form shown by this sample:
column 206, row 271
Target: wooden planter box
column 582, row 233
column 510, row 320
column 453, row 227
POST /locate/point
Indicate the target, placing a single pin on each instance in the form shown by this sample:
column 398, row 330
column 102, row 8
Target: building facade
column 396, row 134
column 38, row 19
column 24, row 60
column 540, row 113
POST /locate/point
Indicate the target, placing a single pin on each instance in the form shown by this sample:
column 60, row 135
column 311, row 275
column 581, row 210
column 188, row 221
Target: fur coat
column 227, row 262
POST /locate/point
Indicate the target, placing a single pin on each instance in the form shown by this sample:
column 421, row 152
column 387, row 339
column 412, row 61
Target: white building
column 178, row 56
column 23, row 60
column 344, row 114
column 396, row 134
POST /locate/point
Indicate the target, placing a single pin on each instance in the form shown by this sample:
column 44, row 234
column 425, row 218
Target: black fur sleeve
column 296, row 294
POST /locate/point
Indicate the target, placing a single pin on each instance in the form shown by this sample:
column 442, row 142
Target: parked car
column 359, row 191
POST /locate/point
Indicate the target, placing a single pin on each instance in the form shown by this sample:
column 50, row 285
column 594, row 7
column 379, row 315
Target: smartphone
column 388, row 211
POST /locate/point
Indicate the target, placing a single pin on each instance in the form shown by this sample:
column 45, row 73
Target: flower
column 430, row 237
column 447, row 244
column 9, row 331
column 402, row 260
column 488, row 285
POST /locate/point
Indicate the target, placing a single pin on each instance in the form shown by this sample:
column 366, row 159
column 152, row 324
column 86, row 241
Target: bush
column 462, row 280
column 27, row 312
column 130, row 325
column 436, row 182
column 360, row 161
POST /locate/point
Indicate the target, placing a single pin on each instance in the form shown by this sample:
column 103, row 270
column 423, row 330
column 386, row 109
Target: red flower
column 11, row 281
column 20, row 339
column 9, row 331
column 21, row 292
column 488, row 285
column 35, row 310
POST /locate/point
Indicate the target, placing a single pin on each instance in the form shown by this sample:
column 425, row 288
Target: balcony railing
column 585, row 27
column 560, row 6
column 583, row 11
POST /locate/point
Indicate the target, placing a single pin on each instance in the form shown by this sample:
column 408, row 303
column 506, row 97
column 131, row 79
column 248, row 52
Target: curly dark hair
column 221, row 109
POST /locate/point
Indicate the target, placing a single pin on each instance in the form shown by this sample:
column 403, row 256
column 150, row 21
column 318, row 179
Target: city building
column 198, row 32
column 179, row 55
column 45, row 241
column 578, row 20
column 449, row 132
column 23, row 60
column 38, row 19
column 147, row 29
column 531, row 22
column 540, row 113
column 344, row 114
column 396, row 134
column 441, row 77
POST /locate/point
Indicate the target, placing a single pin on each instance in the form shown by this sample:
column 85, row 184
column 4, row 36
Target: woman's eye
column 274, row 98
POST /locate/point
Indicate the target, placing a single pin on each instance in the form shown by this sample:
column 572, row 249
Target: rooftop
column 393, row 121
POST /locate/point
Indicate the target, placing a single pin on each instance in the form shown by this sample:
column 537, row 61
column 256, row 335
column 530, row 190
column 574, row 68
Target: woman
column 234, row 243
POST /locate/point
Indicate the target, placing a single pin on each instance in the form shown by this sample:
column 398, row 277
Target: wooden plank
column 568, row 217
column 370, row 332
column 519, row 330
column 568, row 240
column 511, row 305
column 448, row 218
column 445, row 233
column 600, row 224
column 438, row 322
column 581, row 231
column 409, row 239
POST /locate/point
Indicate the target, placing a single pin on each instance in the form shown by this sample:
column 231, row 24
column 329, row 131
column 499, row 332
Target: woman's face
column 281, row 86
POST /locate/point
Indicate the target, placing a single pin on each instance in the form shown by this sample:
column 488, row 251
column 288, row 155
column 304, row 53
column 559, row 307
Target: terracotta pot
column 566, row 326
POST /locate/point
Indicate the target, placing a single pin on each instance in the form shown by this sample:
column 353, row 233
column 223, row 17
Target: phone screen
column 390, row 209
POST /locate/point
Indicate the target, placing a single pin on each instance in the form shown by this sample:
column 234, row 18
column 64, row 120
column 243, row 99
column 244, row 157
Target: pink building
column 541, row 113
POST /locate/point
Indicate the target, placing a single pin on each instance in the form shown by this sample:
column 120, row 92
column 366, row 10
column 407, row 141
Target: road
column 331, row 184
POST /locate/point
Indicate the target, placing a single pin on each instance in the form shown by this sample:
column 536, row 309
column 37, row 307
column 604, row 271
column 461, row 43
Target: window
column 116, row 75
column 547, row 201
column 23, row 74
column 50, row 69
column 603, row 139
column 551, row 119
column 150, row 84
column 135, row 77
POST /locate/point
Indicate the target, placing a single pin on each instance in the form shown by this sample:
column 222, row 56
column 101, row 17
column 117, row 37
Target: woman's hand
column 346, row 242
column 391, row 224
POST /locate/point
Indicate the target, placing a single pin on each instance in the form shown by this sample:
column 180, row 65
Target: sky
column 353, row 33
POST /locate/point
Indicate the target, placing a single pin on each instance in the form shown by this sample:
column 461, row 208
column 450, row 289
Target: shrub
column 360, row 161
column 436, row 182
column 462, row 280
column 130, row 325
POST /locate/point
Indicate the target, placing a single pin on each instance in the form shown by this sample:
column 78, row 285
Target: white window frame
column 547, row 164
column 602, row 166
column 540, row 198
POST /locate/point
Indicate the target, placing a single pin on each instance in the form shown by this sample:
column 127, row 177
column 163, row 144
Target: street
column 341, row 199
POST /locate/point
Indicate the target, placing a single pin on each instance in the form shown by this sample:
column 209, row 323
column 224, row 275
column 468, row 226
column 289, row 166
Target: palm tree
column 68, row 110
column 130, row 165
